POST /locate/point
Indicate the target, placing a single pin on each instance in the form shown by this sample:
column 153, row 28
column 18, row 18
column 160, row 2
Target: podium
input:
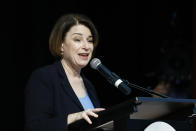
column 179, row 113
column 139, row 108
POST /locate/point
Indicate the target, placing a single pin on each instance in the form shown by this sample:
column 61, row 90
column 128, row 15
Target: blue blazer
column 49, row 98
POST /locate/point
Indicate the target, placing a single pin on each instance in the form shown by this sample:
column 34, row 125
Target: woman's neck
column 70, row 70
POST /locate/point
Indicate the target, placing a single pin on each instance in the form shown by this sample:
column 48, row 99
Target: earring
column 62, row 50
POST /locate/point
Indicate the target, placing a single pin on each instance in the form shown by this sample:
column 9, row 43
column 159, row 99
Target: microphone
column 111, row 77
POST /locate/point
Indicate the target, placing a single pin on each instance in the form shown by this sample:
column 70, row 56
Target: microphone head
column 94, row 63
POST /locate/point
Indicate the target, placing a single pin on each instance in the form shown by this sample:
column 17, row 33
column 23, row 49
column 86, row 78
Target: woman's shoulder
column 46, row 71
column 41, row 78
column 45, row 75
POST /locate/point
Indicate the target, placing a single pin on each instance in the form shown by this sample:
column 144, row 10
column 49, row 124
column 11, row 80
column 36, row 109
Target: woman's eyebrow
column 77, row 34
column 81, row 34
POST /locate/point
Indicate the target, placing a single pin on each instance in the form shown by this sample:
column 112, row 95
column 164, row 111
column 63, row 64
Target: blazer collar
column 68, row 89
column 66, row 85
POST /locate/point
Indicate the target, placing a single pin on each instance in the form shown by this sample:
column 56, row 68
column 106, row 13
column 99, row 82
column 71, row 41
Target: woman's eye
column 77, row 40
column 90, row 41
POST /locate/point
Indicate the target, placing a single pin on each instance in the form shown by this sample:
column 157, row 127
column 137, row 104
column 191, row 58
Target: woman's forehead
column 80, row 30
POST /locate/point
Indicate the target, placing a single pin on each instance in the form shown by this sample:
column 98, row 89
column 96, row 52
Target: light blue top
column 86, row 102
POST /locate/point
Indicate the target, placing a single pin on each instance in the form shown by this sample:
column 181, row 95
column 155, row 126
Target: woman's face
column 77, row 46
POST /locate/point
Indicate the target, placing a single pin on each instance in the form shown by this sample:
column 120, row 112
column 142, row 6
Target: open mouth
column 83, row 54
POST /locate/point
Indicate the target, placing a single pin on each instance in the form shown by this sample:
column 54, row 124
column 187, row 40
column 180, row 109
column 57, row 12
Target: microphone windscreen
column 94, row 63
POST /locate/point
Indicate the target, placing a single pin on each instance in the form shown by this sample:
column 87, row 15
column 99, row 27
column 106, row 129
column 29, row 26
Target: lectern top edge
column 145, row 99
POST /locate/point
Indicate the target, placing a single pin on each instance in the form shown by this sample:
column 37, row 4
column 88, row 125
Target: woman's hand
column 83, row 115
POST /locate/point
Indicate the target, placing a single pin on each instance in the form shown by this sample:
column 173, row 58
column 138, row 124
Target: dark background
column 138, row 40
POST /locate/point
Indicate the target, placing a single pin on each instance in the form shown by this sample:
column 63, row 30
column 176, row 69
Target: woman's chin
column 83, row 64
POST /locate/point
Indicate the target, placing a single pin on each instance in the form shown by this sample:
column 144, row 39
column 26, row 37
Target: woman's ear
column 62, row 49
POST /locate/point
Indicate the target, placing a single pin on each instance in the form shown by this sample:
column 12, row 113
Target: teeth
column 84, row 54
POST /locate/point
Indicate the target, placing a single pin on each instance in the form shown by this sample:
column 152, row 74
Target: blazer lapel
column 66, row 85
column 69, row 91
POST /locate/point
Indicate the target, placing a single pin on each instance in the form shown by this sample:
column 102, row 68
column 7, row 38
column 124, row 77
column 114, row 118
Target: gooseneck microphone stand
column 144, row 89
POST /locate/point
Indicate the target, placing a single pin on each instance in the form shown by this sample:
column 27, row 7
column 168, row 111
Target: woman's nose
column 86, row 45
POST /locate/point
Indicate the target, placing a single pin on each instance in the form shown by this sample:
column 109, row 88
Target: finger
column 91, row 113
column 98, row 109
column 85, row 117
